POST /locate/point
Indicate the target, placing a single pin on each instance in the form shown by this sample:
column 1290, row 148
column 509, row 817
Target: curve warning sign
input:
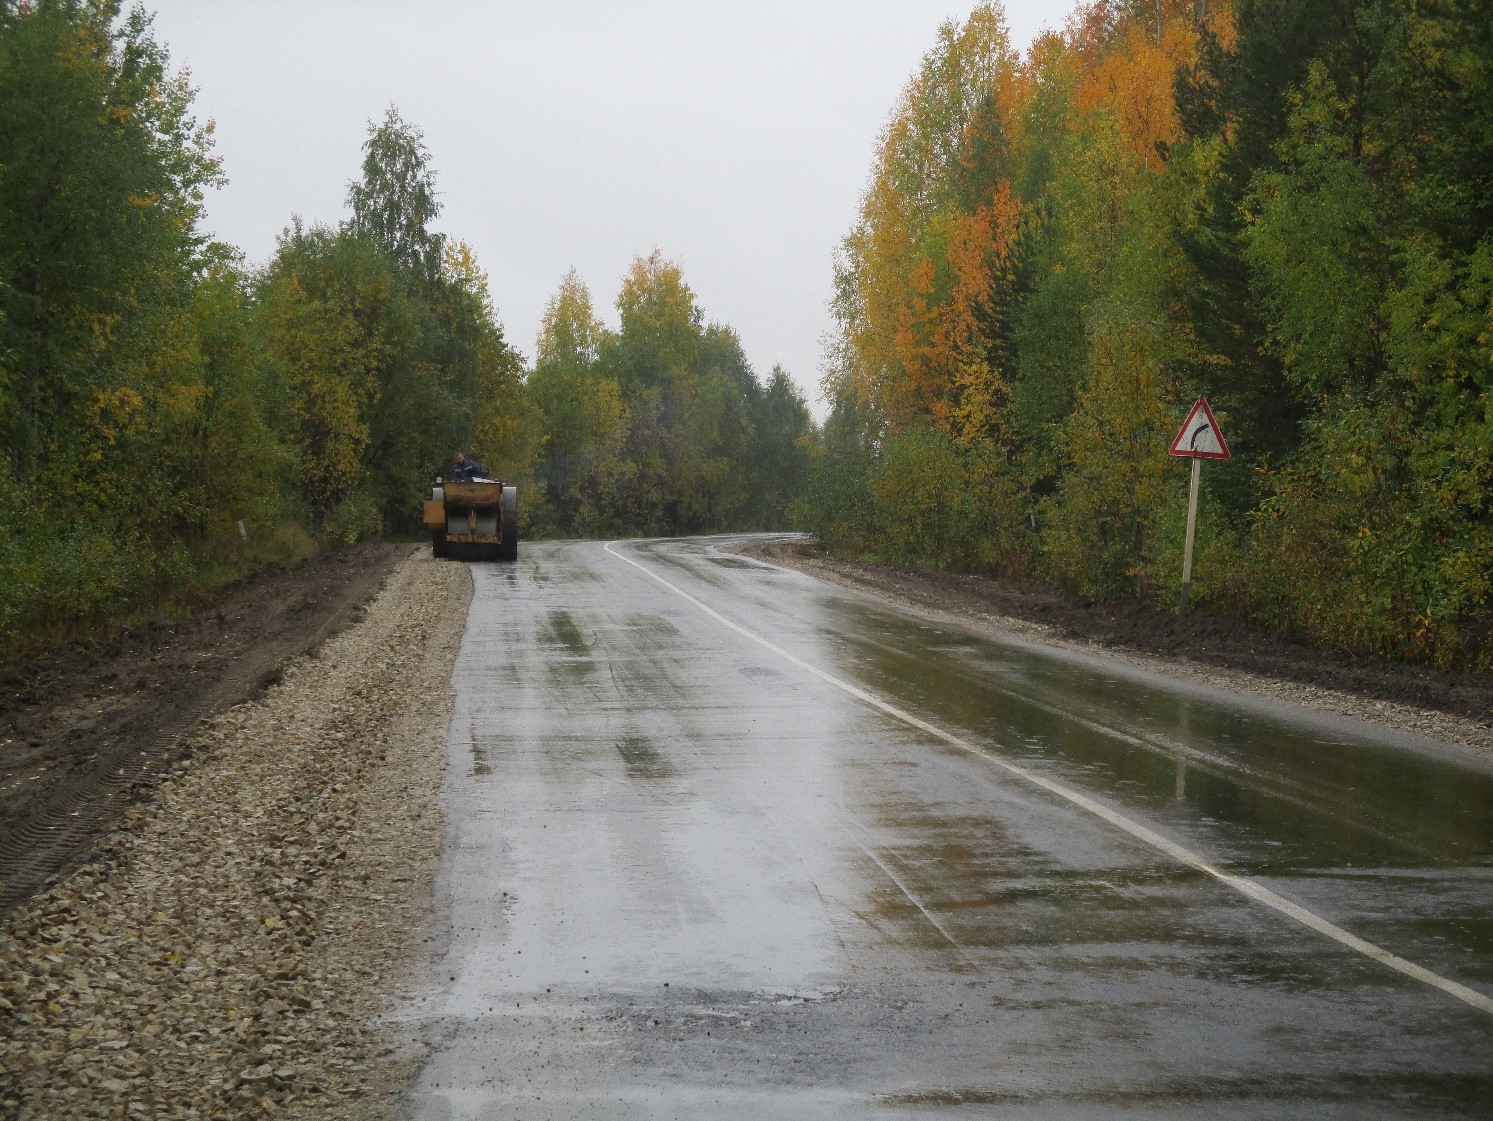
column 1199, row 437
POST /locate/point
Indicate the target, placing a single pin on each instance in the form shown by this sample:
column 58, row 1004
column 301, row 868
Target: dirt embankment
column 1457, row 707
column 226, row 949
column 84, row 728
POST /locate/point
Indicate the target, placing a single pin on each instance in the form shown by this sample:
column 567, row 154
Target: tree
column 505, row 430
column 395, row 201
column 126, row 361
column 1234, row 102
column 782, row 439
column 655, row 359
column 661, row 426
column 923, row 279
column 579, row 412
column 659, row 338
column 104, row 170
column 570, row 335
column 326, row 307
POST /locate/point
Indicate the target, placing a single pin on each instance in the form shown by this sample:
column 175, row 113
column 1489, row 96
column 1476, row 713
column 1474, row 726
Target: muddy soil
column 86, row 727
column 1226, row 651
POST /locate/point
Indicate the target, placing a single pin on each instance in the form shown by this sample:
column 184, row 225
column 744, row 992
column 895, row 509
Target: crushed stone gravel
column 227, row 951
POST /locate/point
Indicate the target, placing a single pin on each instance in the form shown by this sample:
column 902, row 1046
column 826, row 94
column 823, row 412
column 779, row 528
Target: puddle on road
column 990, row 891
column 643, row 760
column 727, row 560
column 1294, row 795
column 567, row 634
column 578, row 662
column 481, row 766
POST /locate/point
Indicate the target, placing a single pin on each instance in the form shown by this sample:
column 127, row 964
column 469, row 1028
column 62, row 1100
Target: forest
column 1280, row 204
column 173, row 418
column 1283, row 205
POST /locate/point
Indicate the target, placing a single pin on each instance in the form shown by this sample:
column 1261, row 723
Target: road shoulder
column 86, row 728
column 229, row 947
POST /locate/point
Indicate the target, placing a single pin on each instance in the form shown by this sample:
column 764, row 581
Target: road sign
column 1199, row 437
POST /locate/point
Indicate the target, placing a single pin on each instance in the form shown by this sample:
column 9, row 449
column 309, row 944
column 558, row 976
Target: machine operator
column 467, row 469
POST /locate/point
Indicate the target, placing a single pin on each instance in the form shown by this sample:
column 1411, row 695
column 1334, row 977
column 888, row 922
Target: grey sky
column 736, row 138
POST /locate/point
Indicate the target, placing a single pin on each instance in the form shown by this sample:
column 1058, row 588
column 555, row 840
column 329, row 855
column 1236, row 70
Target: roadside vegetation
column 661, row 426
column 1284, row 206
column 172, row 417
column 1281, row 204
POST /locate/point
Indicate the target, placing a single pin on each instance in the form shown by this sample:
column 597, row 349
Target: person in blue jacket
column 467, row 469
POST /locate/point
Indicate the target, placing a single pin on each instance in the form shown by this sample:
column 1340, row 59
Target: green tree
column 386, row 337
column 1237, row 100
column 100, row 197
column 1369, row 246
column 580, row 416
column 659, row 339
column 505, row 430
column 395, row 201
column 661, row 426
column 328, row 307
column 782, row 443
column 106, row 370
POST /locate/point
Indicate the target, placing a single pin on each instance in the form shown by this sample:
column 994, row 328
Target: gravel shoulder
column 86, row 728
column 227, row 949
column 1457, row 708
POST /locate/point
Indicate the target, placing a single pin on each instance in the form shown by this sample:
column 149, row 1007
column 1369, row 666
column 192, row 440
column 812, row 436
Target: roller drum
column 508, row 545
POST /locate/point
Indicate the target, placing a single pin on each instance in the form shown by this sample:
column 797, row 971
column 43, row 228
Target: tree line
column 1281, row 204
column 661, row 426
column 173, row 417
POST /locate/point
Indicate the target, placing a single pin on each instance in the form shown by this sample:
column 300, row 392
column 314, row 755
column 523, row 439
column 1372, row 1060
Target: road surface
column 725, row 841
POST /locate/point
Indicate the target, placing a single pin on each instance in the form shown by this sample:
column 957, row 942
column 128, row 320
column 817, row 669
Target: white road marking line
column 1242, row 884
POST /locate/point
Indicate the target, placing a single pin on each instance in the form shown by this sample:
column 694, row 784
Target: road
column 726, row 841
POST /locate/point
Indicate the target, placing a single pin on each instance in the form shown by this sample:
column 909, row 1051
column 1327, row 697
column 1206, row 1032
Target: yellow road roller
column 475, row 520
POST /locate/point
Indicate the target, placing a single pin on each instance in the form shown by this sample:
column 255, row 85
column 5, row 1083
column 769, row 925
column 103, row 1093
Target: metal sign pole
column 1198, row 439
column 1192, row 521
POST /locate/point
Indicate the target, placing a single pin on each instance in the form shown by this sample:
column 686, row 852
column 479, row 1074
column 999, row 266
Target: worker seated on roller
column 467, row 469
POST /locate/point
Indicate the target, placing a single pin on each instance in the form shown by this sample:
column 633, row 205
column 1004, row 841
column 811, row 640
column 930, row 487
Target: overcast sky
column 736, row 138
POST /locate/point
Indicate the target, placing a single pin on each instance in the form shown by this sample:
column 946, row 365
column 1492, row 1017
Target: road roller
column 476, row 520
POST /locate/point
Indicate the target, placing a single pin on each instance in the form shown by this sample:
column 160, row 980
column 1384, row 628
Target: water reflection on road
column 686, row 878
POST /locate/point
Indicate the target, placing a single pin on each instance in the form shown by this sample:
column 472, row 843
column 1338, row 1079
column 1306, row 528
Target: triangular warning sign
column 1199, row 437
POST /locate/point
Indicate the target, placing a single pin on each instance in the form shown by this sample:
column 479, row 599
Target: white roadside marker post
column 1198, row 439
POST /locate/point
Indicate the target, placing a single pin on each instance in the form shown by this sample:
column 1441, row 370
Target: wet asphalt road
column 687, row 877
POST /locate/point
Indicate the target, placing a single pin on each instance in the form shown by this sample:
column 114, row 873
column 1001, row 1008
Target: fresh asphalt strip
column 1183, row 855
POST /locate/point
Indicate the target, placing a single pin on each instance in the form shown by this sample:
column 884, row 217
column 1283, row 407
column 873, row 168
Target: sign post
column 1198, row 439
